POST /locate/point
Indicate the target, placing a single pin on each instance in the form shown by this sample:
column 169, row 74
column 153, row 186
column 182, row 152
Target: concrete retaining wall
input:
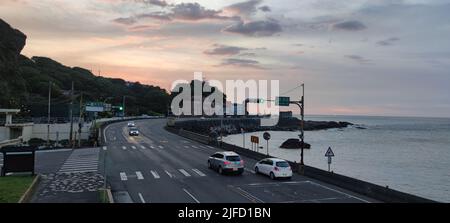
column 362, row 187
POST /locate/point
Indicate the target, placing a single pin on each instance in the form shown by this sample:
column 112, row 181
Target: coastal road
column 161, row 167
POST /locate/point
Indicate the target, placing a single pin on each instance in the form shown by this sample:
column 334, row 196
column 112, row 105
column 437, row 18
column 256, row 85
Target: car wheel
column 256, row 170
column 220, row 170
column 209, row 165
column 272, row 176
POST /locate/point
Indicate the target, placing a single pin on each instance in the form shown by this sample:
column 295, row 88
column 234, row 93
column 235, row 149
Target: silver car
column 226, row 162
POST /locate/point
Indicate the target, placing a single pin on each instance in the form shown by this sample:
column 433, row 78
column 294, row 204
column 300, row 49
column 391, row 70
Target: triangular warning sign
column 329, row 152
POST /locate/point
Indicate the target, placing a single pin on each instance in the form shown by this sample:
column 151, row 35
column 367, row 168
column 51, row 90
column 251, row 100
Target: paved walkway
column 76, row 181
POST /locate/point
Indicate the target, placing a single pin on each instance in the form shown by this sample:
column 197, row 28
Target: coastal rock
column 12, row 41
column 294, row 144
column 12, row 83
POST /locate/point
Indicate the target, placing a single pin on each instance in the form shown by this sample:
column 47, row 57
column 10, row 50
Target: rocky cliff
column 12, row 85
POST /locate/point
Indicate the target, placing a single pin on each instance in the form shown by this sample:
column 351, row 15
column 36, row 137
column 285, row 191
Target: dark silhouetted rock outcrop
column 12, row 83
column 294, row 144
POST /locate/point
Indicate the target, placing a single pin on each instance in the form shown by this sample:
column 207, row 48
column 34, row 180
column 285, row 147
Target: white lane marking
column 340, row 192
column 143, row 147
column 104, row 148
column 155, row 174
column 194, row 147
column 210, row 147
column 199, row 172
column 139, row 175
column 123, row 176
column 124, row 148
column 192, row 196
column 161, row 147
column 133, row 147
column 104, row 133
column 169, row 174
column 152, row 147
column 141, row 197
column 184, row 172
column 249, row 170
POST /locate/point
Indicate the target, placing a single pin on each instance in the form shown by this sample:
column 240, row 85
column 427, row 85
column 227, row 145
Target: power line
column 289, row 91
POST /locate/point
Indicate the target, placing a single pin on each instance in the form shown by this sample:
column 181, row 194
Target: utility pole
column 123, row 106
column 79, row 120
column 71, row 116
column 48, row 112
column 302, row 128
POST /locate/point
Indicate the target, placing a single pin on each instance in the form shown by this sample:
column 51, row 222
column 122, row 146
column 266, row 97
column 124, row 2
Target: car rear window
column 282, row 164
column 233, row 158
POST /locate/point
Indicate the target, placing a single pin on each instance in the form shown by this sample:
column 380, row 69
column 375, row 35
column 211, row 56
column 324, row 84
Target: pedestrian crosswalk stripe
column 123, row 176
column 155, row 174
column 124, row 148
column 199, row 172
column 133, row 147
column 82, row 160
column 143, row 147
column 139, row 175
column 184, row 172
column 152, row 147
column 161, row 147
column 168, row 174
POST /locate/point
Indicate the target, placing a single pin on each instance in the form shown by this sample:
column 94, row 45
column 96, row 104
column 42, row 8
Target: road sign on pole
column 282, row 101
column 266, row 136
column 329, row 154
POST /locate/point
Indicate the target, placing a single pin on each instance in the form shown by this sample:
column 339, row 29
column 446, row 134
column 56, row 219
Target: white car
column 275, row 168
column 131, row 124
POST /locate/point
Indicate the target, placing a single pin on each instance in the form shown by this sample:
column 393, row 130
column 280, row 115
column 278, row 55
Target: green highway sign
column 282, row 101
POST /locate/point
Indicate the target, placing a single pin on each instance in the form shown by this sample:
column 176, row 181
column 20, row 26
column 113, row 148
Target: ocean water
column 407, row 154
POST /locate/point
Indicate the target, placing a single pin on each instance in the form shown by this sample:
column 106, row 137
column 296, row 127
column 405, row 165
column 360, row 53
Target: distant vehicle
column 131, row 124
column 226, row 162
column 275, row 168
column 133, row 132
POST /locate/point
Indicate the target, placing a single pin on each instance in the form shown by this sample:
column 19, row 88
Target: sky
column 362, row 57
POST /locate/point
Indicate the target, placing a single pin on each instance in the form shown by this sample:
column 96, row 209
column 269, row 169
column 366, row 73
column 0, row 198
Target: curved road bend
column 161, row 167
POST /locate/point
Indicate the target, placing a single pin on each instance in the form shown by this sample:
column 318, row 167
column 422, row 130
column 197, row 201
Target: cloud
column 125, row 21
column 243, row 8
column 388, row 42
column 225, row 50
column 155, row 15
column 358, row 59
column 255, row 28
column 265, row 8
column 352, row 25
column 246, row 63
column 179, row 12
column 194, row 11
column 161, row 3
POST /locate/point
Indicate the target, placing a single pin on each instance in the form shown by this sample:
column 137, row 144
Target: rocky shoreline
column 230, row 126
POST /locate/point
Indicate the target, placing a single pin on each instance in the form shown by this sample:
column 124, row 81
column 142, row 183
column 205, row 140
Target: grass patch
column 103, row 196
column 13, row 187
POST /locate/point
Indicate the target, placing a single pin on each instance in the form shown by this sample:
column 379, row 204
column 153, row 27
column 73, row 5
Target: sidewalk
column 69, row 188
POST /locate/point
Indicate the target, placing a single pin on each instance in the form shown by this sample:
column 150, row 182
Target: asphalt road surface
column 161, row 167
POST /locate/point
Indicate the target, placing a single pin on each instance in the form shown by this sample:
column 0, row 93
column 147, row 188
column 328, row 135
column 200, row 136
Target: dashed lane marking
column 155, row 174
column 139, row 175
column 123, row 176
column 199, row 172
column 184, row 172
